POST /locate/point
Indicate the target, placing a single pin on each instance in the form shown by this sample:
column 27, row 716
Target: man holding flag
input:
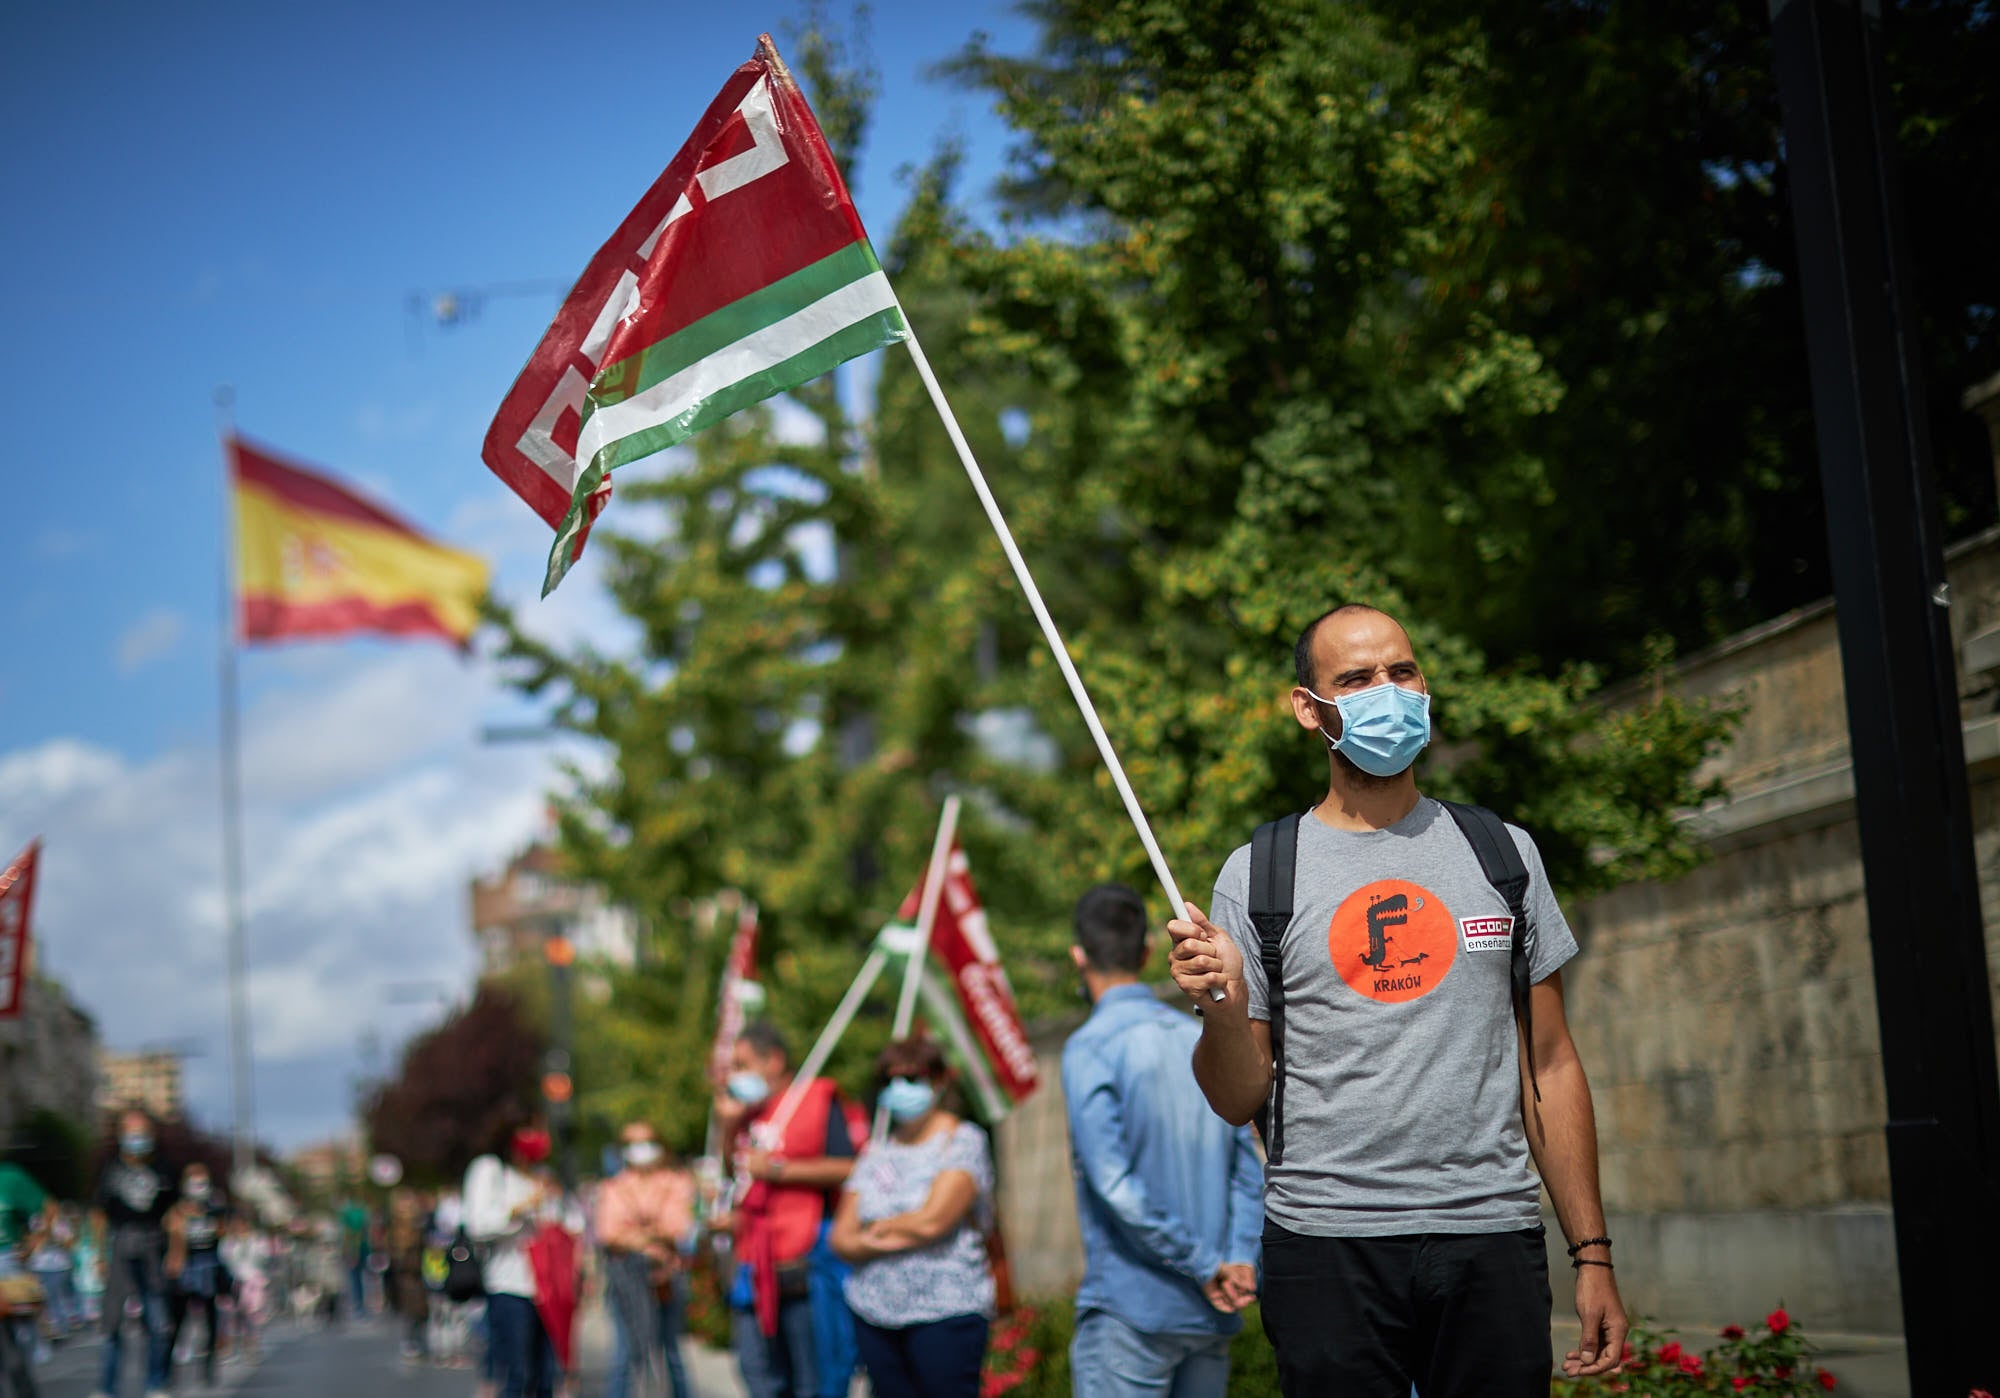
column 1393, row 1016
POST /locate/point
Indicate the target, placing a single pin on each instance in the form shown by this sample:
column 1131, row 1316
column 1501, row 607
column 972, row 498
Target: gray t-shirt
column 1402, row 1088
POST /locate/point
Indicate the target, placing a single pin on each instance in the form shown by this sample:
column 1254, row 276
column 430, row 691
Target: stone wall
column 1728, row 1018
column 1036, row 1190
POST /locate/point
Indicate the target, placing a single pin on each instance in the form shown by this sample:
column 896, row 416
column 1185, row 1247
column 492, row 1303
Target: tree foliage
column 458, row 1089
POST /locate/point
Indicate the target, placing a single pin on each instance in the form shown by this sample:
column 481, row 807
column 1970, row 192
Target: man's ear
column 1077, row 957
column 1306, row 710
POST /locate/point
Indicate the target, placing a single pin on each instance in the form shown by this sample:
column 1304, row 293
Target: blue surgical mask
column 136, row 1144
column 1382, row 728
column 906, row 1099
column 748, row 1088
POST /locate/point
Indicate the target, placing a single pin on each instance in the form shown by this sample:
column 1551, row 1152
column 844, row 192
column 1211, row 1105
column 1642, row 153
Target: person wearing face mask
column 133, row 1196
column 505, row 1202
column 644, row 1213
column 194, row 1265
column 1392, row 1013
column 1168, row 1197
column 793, row 1143
column 913, row 1221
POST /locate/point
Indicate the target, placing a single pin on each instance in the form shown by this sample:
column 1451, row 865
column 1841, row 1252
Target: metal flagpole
column 242, row 1128
column 1176, row 907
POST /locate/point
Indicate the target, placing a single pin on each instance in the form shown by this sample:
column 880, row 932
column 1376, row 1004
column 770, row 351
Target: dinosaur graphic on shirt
column 1384, row 913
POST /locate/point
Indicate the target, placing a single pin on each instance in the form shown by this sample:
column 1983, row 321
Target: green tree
column 1258, row 389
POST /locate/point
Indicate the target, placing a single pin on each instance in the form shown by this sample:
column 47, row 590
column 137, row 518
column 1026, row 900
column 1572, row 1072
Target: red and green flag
column 743, row 272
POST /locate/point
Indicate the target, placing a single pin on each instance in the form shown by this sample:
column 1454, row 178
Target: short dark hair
column 764, row 1036
column 1303, row 674
column 914, row 1057
column 1111, row 928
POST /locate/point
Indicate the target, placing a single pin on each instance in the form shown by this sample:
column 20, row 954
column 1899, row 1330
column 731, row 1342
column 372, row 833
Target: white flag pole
column 1175, row 905
column 906, row 1003
column 829, row 1037
column 913, row 971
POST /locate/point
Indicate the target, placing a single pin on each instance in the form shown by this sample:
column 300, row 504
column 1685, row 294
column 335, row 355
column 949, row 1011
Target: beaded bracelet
column 1575, row 1248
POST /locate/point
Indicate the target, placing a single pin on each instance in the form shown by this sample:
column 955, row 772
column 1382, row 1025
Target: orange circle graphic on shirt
column 1393, row 941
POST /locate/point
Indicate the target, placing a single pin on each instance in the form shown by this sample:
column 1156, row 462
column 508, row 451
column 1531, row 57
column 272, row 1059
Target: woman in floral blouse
column 913, row 1221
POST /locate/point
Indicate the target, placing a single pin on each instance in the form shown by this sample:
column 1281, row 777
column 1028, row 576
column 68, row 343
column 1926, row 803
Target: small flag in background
column 960, row 940
column 316, row 559
column 739, row 990
column 743, row 272
column 17, row 896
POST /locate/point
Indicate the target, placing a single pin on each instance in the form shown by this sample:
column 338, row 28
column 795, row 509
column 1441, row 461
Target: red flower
column 1825, row 1380
column 1783, row 1371
column 1732, row 1332
column 1629, row 1355
column 1691, row 1364
column 1670, row 1351
column 1739, row 1383
column 1778, row 1321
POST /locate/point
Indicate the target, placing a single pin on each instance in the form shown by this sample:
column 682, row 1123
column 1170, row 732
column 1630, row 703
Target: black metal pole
column 1931, row 990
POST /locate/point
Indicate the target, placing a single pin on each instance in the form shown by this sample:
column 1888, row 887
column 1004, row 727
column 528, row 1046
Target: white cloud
column 149, row 638
column 357, row 849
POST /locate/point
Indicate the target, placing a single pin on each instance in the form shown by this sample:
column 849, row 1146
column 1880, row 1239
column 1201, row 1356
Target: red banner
column 961, row 941
column 17, row 892
column 739, row 970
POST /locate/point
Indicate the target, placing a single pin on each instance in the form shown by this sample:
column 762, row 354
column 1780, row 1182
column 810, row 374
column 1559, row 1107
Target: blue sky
column 250, row 195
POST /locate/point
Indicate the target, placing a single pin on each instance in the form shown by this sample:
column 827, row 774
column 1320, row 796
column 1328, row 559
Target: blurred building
column 327, row 1167
column 150, row 1079
column 48, row 1059
column 516, row 911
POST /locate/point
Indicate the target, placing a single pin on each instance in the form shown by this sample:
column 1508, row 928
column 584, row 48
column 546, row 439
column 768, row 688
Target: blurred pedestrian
column 133, row 1196
column 1168, row 1195
column 357, row 1231
column 247, row 1258
column 87, row 1272
column 50, row 1250
column 645, row 1214
column 504, row 1202
column 408, row 1296
column 913, row 1221
column 789, row 1324
column 195, row 1278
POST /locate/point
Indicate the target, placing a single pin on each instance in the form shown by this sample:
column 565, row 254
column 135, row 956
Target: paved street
column 346, row 1361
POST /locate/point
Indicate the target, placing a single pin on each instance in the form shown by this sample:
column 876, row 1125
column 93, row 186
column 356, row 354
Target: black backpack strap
column 1500, row 858
column 1274, row 859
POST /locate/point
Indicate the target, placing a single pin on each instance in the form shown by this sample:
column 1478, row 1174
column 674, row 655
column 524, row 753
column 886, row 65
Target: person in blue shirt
column 1169, row 1197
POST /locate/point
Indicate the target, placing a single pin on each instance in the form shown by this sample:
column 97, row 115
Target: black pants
column 938, row 1359
column 179, row 1303
column 1457, row 1314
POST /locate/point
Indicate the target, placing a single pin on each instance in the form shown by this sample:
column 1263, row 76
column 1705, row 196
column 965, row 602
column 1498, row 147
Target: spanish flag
column 316, row 559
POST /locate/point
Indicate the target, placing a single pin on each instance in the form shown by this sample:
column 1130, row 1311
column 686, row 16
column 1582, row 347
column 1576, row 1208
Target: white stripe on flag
column 753, row 354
